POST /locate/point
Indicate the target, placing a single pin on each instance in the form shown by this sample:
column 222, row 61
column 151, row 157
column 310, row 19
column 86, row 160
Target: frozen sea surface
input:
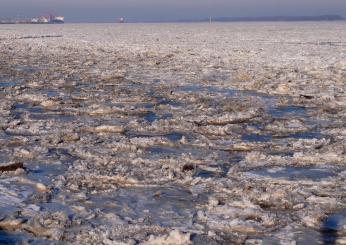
column 223, row 133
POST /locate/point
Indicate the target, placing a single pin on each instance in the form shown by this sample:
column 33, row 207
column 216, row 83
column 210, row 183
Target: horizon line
column 269, row 18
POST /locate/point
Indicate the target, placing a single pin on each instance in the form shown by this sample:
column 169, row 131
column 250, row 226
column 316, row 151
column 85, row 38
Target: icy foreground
column 173, row 134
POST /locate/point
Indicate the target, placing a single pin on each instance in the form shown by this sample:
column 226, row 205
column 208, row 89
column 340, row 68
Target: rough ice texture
column 230, row 133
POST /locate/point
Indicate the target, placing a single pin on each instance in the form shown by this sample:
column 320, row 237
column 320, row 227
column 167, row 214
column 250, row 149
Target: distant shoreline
column 321, row 18
column 272, row 19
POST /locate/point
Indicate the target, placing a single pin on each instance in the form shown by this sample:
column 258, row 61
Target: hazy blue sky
column 146, row 10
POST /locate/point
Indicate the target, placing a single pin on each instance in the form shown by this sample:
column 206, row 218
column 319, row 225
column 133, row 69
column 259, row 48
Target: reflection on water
column 164, row 206
column 296, row 173
column 332, row 227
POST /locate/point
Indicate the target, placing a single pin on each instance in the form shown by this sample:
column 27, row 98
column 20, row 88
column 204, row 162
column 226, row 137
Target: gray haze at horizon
column 164, row 10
